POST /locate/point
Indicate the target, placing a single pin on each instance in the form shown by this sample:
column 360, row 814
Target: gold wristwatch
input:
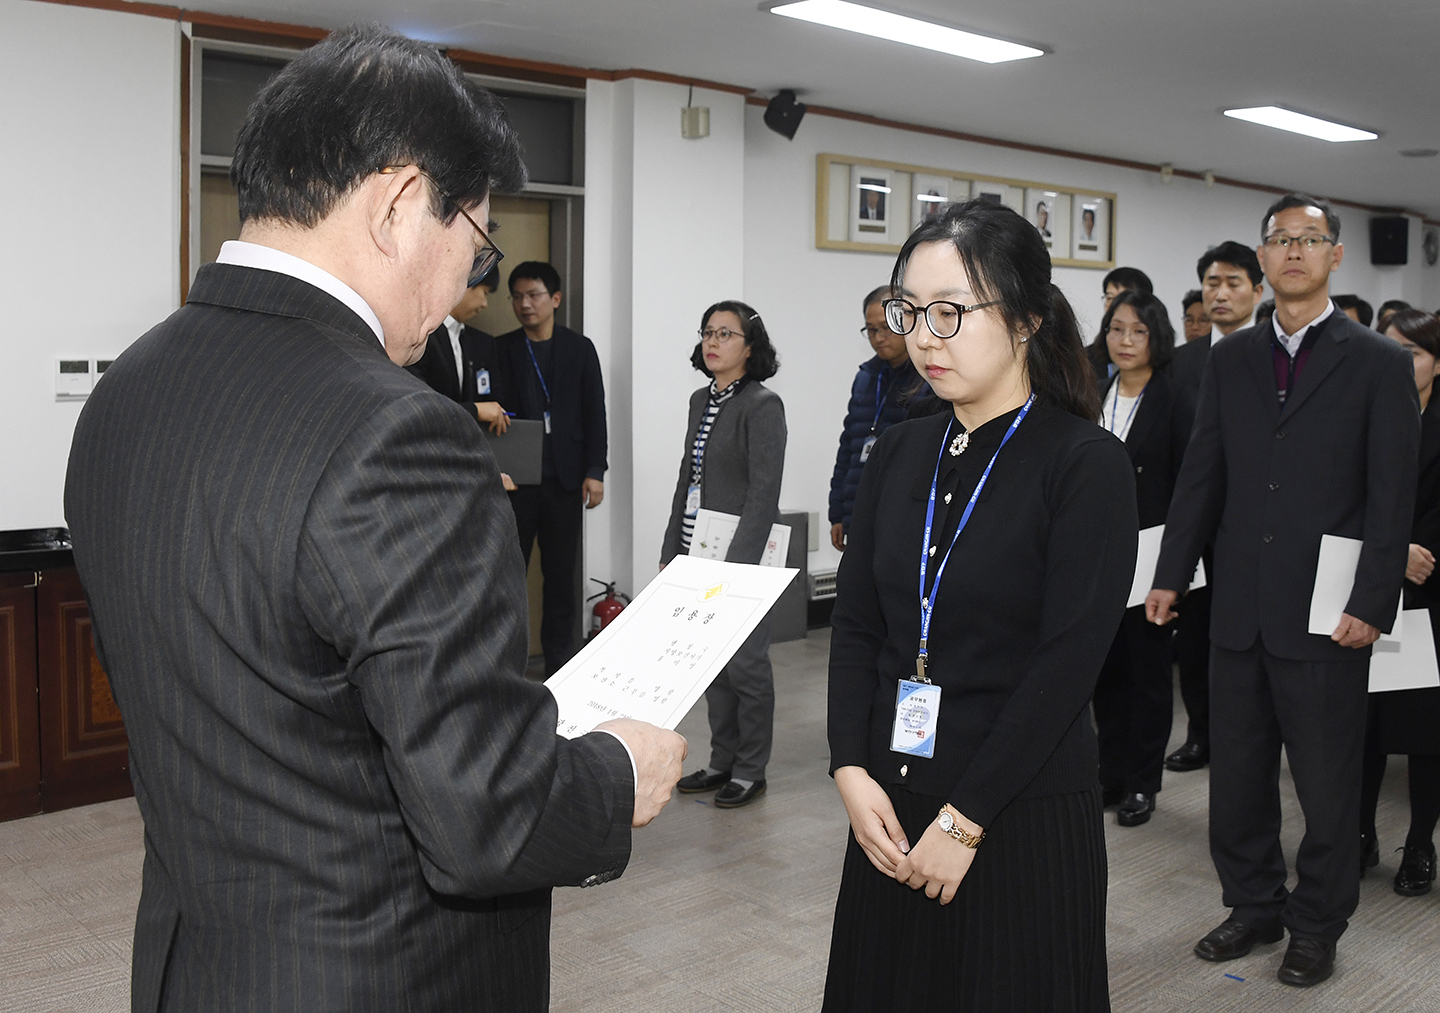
column 955, row 830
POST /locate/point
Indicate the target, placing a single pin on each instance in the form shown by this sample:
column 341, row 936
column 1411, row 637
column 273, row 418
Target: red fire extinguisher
column 607, row 608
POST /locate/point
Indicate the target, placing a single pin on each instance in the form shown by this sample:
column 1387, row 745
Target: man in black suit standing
column 459, row 360
column 552, row 373
column 304, row 587
column 1307, row 425
column 1231, row 283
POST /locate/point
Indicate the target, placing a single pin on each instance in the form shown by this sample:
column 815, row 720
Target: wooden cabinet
column 62, row 742
column 84, row 753
column 19, row 723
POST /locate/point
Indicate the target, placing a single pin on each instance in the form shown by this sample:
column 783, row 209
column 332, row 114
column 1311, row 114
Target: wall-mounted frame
column 869, row 205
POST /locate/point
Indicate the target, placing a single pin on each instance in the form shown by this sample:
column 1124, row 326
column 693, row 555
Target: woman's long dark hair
column 763, row 362
column 1156, row 318
column 1007, row 262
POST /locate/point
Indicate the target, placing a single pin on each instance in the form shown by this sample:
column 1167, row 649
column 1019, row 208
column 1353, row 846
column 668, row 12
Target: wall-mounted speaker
column 1390, row 240
column 783, row 114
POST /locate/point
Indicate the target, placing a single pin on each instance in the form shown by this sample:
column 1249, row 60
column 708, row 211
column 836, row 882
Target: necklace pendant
column 958, row 444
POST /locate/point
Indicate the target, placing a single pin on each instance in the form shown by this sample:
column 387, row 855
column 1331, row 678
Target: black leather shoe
column 1307, row 962
column 1191, row 756
column 1111, row 796
column 1231, row 939
column 733, row 796
column 701, row 781
column 1136, row 809
column 1417, row 872
column 1369, row 852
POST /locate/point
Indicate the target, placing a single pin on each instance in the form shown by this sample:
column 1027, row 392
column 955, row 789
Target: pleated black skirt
column 1025, row 932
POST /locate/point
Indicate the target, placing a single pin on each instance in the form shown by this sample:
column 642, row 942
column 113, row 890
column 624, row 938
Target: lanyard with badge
column 917, row 703
column 543, row 385
column 869, row 443
column 1115, row 407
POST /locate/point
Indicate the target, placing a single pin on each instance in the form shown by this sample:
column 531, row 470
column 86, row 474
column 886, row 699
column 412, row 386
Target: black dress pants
column 1192, row 655
column 1134, row 705
column 1316, row 710
column 552, row 514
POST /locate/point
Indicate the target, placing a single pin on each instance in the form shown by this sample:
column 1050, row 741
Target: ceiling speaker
column 1390, row 240
column 783, row 114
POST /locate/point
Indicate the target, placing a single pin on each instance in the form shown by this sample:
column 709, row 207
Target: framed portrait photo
column 930, row 195
column 1090, row 225
column 1049, row 212
column 872, row 205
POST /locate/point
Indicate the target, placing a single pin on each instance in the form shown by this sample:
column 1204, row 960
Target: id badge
column 865, row 449
column 692, row 501
column 482, row 381
column 547, row 422
column 917, row 712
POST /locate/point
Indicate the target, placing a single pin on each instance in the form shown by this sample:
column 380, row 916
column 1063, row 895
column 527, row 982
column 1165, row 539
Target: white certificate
column 1410, row 663
column 1147, row 557
column 1334, row 579
column 714, row 531
column 658, row 656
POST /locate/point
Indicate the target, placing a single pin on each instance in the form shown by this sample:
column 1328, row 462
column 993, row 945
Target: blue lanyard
column 1115, row 408
column 539, row 375
column 879, row 401
column 927, row 604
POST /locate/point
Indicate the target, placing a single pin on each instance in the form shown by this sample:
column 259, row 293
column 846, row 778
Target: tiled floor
column 730, row 911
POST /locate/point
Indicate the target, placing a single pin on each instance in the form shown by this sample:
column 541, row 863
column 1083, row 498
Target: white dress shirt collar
column 1215, row 334
column 1292, row 341
column 267, row 258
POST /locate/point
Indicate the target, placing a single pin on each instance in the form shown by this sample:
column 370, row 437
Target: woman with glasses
column 991, row 551
column 733, row 459
column 1134, row 702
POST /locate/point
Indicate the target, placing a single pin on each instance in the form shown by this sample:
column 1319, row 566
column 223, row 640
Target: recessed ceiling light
column 902, row 28
column 1299, row 123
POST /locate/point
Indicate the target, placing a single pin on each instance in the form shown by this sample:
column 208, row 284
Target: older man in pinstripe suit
column 306, row 590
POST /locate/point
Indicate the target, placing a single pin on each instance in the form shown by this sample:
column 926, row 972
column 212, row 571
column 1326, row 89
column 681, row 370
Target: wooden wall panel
column 19, row 721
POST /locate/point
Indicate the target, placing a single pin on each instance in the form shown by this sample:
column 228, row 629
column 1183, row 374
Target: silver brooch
column 958, row 444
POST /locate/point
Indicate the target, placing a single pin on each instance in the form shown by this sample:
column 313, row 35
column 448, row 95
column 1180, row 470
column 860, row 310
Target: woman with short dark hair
column 989, row 560
column 1134, row 702
column 1408, row 721
column 734, row 457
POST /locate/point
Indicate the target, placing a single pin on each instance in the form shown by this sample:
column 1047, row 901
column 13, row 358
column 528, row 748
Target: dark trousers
column 1134, row 705
column 1424, row 784
column 1316, row 709
column 553, row 515
column 741, row 704
column 1192, row 655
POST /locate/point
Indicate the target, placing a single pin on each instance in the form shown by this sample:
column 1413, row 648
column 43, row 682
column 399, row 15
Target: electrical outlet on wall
column 72, row 379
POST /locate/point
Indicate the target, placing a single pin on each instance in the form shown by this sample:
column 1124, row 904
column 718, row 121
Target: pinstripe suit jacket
column 306, row 589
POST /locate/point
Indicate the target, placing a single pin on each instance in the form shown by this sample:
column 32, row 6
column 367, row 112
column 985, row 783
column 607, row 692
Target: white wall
column 90, row 260
column 673, row 245
column 810, row 298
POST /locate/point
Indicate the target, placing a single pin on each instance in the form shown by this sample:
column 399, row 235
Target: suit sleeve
column 409, row 566
column 1089, row 565
column 670, row 546
column 843, row 454
column 1182, row 423
column 1392, row 457
column 765, row 464
column 1199, row 492
column 592, row 412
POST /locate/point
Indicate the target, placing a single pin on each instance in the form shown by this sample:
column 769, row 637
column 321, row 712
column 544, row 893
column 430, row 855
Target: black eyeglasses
column 1308, row 243
column 488, row 255
column 941, row 316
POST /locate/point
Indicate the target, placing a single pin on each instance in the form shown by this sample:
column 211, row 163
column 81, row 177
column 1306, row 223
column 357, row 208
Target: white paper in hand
column 714, row 531
column 1334, row 579
column 1409, row 664
column 658, row 656
column 1147, row 557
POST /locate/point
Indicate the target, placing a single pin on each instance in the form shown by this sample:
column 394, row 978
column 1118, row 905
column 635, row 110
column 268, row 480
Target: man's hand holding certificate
column 657, row 657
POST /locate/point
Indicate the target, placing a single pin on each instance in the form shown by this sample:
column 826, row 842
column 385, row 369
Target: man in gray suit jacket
column 1307, row 425
column 305, row 587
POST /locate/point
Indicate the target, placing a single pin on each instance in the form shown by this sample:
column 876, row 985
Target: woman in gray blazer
column 734, row 456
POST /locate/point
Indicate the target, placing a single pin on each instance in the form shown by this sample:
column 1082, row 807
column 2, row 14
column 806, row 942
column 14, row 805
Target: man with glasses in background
column 552, row 374
column 1307, row 426
column 305, row 592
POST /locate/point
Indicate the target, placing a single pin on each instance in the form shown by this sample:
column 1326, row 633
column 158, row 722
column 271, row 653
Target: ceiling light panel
column 1299, row 123
column 902, row 28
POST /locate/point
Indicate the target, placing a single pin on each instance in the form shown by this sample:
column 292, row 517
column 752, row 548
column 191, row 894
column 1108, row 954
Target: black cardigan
column 1156, row 443
column 1028, row 606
